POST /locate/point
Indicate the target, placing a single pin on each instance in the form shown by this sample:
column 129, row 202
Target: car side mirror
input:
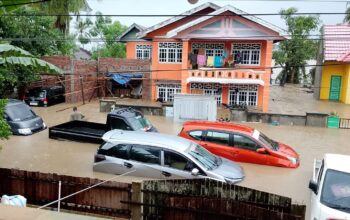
column 195, row 172
column 313, row 186
column 261, row 150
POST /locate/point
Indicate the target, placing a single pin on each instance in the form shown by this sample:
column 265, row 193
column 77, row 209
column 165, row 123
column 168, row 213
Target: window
column 249, row 53
column 197, row 135
column 211, row 49
column 170, row 52
column 118, row 123
column 143, row 51
column 244, row 143
column 118, row 151
column 145, row 154
column 166, row 91
column 218, row 137
column 177, row 161
column 243, row 95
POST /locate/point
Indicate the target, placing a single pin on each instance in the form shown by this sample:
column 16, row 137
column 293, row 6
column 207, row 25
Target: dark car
column 22, row 120
column 45, row 96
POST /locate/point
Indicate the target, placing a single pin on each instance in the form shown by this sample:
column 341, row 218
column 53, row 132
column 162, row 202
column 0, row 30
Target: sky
column 173, row 7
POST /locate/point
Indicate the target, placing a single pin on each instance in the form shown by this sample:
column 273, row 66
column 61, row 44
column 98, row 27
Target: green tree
column 293, row 53
column 40, row 39
column 106, row 30
column 83, row 30
column 63, row 8
column 18, row 68
column 5, row 130
column 347, row 11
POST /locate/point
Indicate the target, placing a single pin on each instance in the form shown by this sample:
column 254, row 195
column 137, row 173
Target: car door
column 219, row 143
column 246, row 149
column 145, row 160
column 115, row 158
column 176, row 166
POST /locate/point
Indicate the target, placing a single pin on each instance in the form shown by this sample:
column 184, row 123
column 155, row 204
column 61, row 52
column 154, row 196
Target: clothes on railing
column 210, row 61
column 218, row 61
column 201, row 60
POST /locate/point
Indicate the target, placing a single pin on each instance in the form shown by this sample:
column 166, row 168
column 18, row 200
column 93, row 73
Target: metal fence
column 42, row 188
column 344, row 123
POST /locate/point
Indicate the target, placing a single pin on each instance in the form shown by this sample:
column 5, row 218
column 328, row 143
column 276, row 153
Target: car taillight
column 45, row 101
column 24, row 98
column 99, row 158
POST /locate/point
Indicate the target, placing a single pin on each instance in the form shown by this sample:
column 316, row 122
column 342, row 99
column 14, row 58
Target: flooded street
column 39, row 153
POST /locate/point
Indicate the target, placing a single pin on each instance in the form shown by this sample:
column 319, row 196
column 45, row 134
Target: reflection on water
column 37, row 152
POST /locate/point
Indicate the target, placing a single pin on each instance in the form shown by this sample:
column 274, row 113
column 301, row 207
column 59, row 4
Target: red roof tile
column 337, row 43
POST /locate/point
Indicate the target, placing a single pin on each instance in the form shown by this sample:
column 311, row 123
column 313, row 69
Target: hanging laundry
column 210, row 61
column 238, row 58
column 201, row 60
column 218, row 61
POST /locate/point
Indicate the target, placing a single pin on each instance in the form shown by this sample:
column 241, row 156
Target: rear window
column 37, row 93
column 19, row 112
column 197, row 135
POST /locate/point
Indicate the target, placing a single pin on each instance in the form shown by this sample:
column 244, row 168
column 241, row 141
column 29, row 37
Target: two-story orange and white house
column 212, row 50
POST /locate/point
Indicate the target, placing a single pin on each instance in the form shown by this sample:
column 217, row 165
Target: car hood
column 229, row 169
column 286, row 150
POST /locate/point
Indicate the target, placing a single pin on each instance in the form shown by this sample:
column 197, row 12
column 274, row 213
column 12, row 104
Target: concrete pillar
column 185, row 66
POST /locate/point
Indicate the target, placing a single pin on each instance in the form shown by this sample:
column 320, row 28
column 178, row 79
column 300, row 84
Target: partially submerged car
column 22, row 120
column 45, row 96
column 330, row 186
column 161, row 156
column 239, row 143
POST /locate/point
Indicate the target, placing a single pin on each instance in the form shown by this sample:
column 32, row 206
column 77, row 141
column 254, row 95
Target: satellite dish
column 192, row 1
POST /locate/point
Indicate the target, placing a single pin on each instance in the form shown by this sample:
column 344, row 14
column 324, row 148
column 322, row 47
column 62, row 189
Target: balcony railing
column 227, row 74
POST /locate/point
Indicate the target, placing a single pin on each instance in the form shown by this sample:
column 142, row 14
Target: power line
column 25, row 3
column 174, row 15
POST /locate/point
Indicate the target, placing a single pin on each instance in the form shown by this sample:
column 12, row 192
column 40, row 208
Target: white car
column 161, row 156
column 330, row 186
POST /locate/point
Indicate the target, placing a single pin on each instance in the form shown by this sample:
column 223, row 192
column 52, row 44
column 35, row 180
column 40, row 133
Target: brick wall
column 88, row 70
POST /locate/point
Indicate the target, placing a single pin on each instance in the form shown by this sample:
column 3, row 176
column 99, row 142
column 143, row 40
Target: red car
column 239, row 143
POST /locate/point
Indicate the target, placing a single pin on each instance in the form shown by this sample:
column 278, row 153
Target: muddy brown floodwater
column 39, row 153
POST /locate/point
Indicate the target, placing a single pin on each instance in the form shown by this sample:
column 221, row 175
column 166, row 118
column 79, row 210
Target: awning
column 124, row 78
column 225, row 81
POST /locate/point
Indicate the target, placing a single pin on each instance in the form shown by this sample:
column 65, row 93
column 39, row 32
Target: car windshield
column 336, row 190
column 273, row 145
column 204, row 157
column 19, row 112
column 140, row 123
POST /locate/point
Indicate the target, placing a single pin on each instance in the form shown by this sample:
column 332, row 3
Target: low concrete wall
column 106, row 106
column 310, row 119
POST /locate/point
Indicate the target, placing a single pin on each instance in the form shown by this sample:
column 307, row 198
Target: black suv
column 45, row 96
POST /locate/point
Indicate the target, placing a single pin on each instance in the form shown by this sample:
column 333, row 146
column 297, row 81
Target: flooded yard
column 39, row 153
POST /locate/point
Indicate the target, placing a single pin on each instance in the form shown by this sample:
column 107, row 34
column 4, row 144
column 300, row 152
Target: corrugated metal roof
column 336, row 42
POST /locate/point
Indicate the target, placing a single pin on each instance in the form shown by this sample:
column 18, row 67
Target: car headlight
column 44, row 125
column 24, row 131
column 292, row 159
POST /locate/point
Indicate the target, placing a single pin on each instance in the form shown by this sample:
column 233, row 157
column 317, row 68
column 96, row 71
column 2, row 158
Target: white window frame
column 250, row 51
column 217, row 48
column 142, row 49
column 247, row 91
column 169, row 91
column 176, row 50
column 210, row 89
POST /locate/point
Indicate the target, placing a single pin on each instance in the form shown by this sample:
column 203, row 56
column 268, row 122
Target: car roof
column 154, row 139
column 219, row 125
column 14, row 102
column 337, row 162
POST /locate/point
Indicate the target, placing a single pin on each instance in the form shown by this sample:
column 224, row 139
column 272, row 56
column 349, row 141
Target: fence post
column 136, row 197
column 59, row 196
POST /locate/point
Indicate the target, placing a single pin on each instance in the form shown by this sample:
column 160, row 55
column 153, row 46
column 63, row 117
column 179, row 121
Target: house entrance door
column 334, row 91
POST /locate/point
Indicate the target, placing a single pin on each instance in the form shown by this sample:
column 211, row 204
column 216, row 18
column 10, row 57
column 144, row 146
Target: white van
column 330, row 188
